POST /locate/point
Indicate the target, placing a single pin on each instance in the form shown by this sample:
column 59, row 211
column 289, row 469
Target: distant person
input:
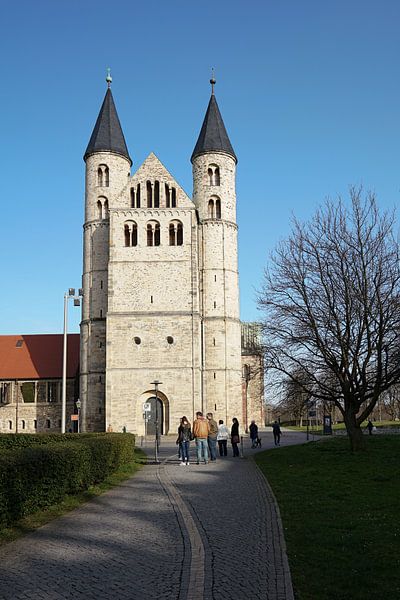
column 253, row 434
column 200, row 433
column 235, row 439
column 184, row 437
column 110, row 429
column 212, row 437
column 222, row 438
column 370, row 426
column 276, row 430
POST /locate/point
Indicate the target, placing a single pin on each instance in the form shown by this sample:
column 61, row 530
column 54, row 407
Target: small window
column 130, row 234
column 10, row 425
column 138, row 196
column 99, row 378
column 101, row 314
column 214, row 341
column 100, row 344
column 173, row 198
column 22, row 424
column 156, row 194
column 19, row 343
column 35, row 424
column 151, row 299
column 215, row 304
column 149, row 190
column 101, row 284
column 59, row 423
column 48, row 423
column 211, row 209
column 218, row 208
column 167, row 196
column 215, row 376
column 170, row 339
column 138, row 341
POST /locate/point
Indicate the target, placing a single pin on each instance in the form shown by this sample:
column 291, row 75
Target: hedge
column 35, row 476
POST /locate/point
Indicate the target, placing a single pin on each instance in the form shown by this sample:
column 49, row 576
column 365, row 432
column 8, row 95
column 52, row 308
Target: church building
column 160, row 283
column 160, row 335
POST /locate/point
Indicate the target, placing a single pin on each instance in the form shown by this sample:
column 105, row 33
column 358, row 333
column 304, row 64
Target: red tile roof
column 38, row 356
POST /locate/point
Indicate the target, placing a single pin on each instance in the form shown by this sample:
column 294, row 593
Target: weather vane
column 109, row 78
column 212, row 81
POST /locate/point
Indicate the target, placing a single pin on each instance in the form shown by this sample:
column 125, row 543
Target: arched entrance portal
column 155, row 414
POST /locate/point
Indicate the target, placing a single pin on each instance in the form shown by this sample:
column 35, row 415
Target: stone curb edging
column 287, row 585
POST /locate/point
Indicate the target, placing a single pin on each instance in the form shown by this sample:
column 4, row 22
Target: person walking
column 370, row 426
column 253, row 433
column 212, row 437
column 235, row 439
column 276, row 430
column 184, row 437
column 222, row 438
column 200, row 433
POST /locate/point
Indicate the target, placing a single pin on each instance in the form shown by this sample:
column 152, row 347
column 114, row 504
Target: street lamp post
column 156, row 383
column 78, row 406
column 67, row 296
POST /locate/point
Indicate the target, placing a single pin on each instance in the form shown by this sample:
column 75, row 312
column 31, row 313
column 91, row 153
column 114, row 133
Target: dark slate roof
column 107, row 134
column 213, row 136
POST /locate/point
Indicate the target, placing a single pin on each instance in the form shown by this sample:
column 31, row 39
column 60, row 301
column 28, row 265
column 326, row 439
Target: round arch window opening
column 137, row 340
column 170, row 339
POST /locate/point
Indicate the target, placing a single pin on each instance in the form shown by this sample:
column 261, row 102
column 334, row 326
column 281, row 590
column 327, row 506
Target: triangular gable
column 153, row 169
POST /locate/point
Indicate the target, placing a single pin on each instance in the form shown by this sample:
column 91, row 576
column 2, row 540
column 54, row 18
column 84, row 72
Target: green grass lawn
column 341, row 516
column 41, row 517
column 317, row 429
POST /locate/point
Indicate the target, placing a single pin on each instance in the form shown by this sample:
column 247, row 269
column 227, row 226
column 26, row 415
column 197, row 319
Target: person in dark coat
column 370, row 426
column 235, row 439
column 184, row 437
column 276, row 430
column 253, row 433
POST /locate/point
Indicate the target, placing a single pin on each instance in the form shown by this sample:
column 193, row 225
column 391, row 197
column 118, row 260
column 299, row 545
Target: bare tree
column 331, row 308
column 391, row 402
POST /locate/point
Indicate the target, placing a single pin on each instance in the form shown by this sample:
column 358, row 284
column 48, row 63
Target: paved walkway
column 207, row 532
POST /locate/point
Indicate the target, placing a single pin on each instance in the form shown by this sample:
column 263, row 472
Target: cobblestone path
column 206, row 532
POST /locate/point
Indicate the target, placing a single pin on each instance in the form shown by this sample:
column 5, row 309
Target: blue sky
column 309, row 92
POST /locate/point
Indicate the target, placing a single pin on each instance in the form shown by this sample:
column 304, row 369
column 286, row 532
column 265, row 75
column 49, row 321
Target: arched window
column 133, row 198
column 218, row 208
column 102, row 207
column 156, row 194
column 103, row 176
column 175, row 233
column 157, row 235
column 149, row 194
column 211, row 209
column 173, row 197
column 130, row 233
column 213, row 175
column 153, row 233
column 172, row 238
column 167, row 196
column 150, row 235
column 138, row 196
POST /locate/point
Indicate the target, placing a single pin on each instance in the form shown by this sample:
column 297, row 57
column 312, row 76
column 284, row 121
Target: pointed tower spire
column 213, row 136
column 107, row 134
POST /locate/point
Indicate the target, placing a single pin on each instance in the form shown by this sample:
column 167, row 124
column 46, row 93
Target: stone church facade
column 160, row 283
column 160, row 300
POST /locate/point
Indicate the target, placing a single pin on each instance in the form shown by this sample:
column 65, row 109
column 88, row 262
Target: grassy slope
column 341, row 516
column 69, row 503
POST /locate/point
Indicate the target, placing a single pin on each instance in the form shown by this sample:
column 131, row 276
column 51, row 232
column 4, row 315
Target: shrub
column 35, row 476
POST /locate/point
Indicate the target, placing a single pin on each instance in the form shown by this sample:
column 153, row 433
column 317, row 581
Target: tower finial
column 212, row 81
column 109, row 78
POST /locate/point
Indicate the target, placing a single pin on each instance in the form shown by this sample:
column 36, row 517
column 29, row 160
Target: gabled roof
column 107, row 134
column 37, row 356
column 213, row 136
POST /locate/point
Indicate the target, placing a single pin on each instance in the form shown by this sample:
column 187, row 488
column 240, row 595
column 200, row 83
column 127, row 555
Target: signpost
column 146, row 417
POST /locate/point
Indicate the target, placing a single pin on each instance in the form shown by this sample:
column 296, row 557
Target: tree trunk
column 354, row 431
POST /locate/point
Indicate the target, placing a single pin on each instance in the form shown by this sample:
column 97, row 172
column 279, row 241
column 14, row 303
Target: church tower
column 214, row 195
column 107, row 170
